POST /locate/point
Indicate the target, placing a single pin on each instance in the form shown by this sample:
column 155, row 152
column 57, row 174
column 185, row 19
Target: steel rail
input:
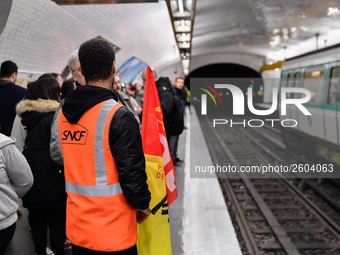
column 247, row 234
column 328, row 222
column 281, row 235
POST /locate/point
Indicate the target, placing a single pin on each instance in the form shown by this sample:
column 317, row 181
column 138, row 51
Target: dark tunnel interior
column 242, row 75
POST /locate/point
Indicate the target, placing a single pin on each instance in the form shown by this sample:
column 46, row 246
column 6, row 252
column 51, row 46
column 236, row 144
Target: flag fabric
column 154, row 233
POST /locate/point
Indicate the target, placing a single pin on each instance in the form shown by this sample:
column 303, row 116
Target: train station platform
column 199, row 219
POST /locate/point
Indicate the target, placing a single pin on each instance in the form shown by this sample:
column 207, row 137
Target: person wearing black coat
column 10, row 95
column 166, row 99
column 122, row 146
column 46, row 200
column 173, row 141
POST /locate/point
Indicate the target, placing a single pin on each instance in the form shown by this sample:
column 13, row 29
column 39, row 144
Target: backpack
column 177, row 119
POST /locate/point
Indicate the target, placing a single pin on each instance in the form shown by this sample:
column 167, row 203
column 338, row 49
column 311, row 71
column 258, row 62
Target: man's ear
column 13, row 76
column 114, row 67
column 81, row 70
column 73, row 76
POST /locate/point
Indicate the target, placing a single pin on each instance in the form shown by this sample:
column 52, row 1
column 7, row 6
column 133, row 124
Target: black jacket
column 166, row 98
column 124, row 138
column 179, row 93
column 10, row 95
column 49, row 181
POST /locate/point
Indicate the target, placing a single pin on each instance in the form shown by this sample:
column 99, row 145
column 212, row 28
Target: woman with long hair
column 46, row 200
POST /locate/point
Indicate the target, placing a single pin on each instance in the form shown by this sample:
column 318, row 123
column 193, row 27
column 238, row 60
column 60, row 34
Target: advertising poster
column 130, row 69
column 26, row 77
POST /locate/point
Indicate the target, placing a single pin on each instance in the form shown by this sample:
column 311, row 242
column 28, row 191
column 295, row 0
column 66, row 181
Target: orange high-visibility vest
column 98, row 216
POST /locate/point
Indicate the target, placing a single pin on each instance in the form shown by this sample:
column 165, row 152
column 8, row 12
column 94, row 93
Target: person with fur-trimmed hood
column 46, row 199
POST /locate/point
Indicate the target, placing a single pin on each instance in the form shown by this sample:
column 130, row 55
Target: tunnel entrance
column 245, row 77
column 227, row 70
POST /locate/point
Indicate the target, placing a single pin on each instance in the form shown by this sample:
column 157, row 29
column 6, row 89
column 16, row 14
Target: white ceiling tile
column 247, row 27
column 47, row 33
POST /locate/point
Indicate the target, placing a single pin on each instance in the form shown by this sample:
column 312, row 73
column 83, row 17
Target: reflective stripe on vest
column 56, row 133
column 95, row 202
column 101, row 188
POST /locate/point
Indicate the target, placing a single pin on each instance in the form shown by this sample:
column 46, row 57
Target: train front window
column 290, row 83
column 333, row 85
column 314, row 82
column 297, row 84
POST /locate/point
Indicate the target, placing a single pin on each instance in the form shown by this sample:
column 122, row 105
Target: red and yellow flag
column 154, row 233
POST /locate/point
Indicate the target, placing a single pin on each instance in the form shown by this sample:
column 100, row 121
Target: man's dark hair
column 96, row 57
column 7, row 68
column 179, row 78
column 46, row 76
column 55, row 75
column 44, row 89
column 67, row 87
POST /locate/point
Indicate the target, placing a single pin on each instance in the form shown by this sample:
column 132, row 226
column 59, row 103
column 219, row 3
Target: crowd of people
column 72, row 151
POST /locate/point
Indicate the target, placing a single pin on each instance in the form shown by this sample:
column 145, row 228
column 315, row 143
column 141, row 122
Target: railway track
column 273, row 216
column 326, row 192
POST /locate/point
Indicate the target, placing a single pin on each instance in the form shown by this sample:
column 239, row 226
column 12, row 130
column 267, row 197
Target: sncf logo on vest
column 73, row 133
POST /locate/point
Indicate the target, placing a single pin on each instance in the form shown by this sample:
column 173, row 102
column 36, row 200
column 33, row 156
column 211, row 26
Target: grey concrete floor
column 22, row 242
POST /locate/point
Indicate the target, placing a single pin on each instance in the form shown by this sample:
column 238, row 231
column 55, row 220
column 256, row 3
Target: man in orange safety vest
column 101, row 147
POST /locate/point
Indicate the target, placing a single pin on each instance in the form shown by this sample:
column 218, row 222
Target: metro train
column 319, row 133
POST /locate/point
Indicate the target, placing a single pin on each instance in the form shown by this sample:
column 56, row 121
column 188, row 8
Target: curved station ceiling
column 39, row 35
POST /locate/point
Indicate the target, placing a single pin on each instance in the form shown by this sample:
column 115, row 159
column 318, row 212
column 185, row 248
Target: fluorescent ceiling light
column 332, row 11
column 180, row 6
